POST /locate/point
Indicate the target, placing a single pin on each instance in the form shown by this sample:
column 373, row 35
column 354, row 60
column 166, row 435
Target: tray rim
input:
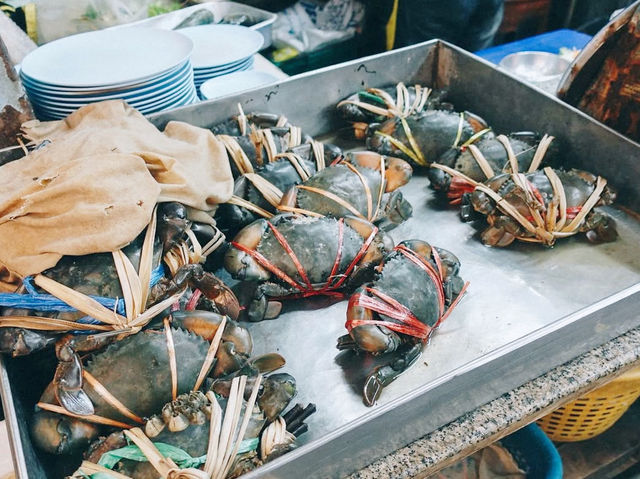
column 587, row 312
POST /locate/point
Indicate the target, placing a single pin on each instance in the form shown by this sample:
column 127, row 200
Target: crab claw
column 268, row 362
column 58, row 434
column 240, row 264
column 372, row 389
column 497, row 236
column 172, row 223
column 68, row 387
column 385, row 375
column 397, row 211
column 212, row 288
column 277, row 392
column 502, row 232
column 602, row 228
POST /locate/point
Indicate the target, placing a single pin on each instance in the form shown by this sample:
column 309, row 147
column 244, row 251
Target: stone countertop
column 509, row 412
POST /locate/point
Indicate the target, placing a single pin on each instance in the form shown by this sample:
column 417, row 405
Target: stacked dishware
column 235, row 82
column 221, row 49
column 148, row 68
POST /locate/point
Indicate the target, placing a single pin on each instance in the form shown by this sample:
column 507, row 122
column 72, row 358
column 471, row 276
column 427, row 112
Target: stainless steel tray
column 528, row 308
column 263, row 19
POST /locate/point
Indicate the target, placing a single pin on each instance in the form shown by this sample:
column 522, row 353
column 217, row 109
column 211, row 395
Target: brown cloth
column 94, row 187
column 189, row 162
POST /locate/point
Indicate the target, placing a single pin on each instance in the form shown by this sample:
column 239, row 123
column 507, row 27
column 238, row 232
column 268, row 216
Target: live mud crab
column 294, row 256
column 542, row 206
column 484, row 156
column 133, row 378
column 422, row 138
column 257, row 193
column 415, row 288
column 364, row 184
column 377, row 104
column 253, row 141
column 171, row 266
column 241, row 124
column 184, row 426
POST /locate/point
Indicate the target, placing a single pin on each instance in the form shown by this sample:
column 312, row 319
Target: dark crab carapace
column 396, row 314
column 185, row 424
column 377, row 104
column 365, row 185
column 258, row 193
column 294, row 256
column 423, row 138
column 485, row 156
column 543, row 206
column 137, row 372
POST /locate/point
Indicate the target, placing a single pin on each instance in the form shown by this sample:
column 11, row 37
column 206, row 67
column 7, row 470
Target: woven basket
column 595, row 412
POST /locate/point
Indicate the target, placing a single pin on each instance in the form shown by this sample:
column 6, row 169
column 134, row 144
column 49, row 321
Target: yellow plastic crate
column 595, row 412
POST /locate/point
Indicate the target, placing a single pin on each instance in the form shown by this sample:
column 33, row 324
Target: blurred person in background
column 470, row 24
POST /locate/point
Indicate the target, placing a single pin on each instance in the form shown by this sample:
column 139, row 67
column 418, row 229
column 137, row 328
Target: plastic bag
column 308, row 26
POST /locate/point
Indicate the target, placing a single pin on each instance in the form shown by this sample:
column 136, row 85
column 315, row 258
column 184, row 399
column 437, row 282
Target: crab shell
column 281, row 173
column 185, row 423
column 460, row 159
column 434, row 131
column 342, row 181
column 254, row 120
column 351, row 112
column 412, row 287
column 577, row 184
column 314, row 242
column 92, row 274
column 136, row 370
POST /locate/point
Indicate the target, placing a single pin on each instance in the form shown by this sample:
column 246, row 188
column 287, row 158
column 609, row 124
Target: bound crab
column 253, row 141
column 482, row 157
column 292, row 256
column 422, row 138
column 258, row 192
column 416, row 287
column 542, row 206
column 133, row 378
column 206, row 432
column 366, row 186
column 377, row 104
column 241, row 124
column 64, row 297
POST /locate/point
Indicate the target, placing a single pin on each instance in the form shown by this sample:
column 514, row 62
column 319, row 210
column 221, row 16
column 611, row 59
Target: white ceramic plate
column 145, row 86
column 187, row 97
column 228, row 66
column 200, row 80
column 235, row 83
column 156, row 92
column 107, row 57
column 218, row 45
column 168, row 97
column 222, row 71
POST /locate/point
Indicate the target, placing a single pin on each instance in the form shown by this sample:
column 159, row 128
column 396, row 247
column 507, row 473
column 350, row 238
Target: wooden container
column 604, row 79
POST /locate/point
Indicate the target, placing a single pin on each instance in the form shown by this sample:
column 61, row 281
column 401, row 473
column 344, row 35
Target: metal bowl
column 541, row 69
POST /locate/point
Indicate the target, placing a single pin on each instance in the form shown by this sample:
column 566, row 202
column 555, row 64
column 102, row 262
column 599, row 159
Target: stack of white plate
column 148, row 68
column 221, row 49
column 235, row 83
